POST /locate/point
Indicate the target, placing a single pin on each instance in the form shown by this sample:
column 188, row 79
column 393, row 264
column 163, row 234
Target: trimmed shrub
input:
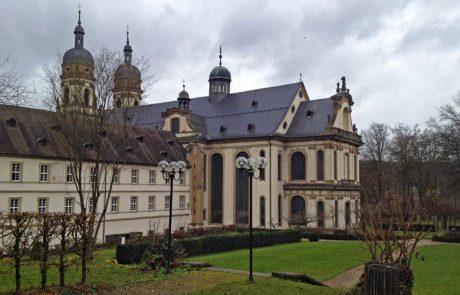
column 447, row 238
column 228, row 242
column 131, row 253
column 313, row 237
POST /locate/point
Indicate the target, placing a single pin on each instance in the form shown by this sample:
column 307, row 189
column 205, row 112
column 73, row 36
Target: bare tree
column 17, row 238
column 13, row 89
column 46, row 229
column 376, row 150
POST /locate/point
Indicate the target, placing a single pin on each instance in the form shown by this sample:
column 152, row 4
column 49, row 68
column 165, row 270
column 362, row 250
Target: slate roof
column 21, row 138
column 313, row 123
column 237, row 110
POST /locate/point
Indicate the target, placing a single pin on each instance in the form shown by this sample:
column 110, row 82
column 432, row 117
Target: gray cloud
column 401, row 58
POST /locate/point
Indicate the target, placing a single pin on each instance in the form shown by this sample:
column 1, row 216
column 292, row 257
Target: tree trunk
column 17, row 265
column 61, row 259
column 84, row 260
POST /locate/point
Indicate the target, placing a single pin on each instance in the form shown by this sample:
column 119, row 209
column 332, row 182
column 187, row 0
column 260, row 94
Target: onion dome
column 78, row 54
column 220, row 72
column 127, row 70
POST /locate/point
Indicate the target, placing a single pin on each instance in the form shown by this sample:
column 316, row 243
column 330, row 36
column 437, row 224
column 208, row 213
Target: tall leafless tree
column 13, row 89
column 95, row 139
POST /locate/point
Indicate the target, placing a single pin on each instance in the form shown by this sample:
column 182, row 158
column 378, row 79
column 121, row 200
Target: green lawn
column 439, row 273
column 320, row 260
column 102, row 271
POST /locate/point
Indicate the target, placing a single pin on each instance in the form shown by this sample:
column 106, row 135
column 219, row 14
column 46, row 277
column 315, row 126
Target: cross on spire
column 220, row 55
column 183, row 84
column 300, row 77
column 127, row 35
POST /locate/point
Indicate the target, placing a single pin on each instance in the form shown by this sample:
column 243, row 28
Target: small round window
column 292, row 109
column 284, row 125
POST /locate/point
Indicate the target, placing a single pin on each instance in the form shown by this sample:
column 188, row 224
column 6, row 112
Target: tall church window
column 298, row 166
column 320, row 165
column 346, row 167
column 175, row 125
column 280, row 211
column 336, row 214
column 297, row 210
column 262, row 211
column 242, row 193
column 356, row 167
column 66, row 96
column 320, row 213
column 347, row 214
column 118, row 103
column 86, row 98
column 217, row 178
column 262, row 172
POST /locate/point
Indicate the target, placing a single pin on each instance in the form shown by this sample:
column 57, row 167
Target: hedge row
column 221, row 243
column 132, row 253
column 315, row 236
column 447, row 238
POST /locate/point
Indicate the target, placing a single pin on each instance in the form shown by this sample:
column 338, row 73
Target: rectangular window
column 69, row 174
column 92, row 174
column 152, row 203
column 114, row 204
column 16, row 172
column 116, row 175
column 167, row 180
column 134, row 174
column 182, row 202
column 335, row 165
column 205, row 167
column 14, row 205
column 152, row 177
column 166, row 202
column 68, row 205
column 42, row 205
column 92, row 205
column 44, row 170
column 346, row 167
column 182, row 179
column 133, row 206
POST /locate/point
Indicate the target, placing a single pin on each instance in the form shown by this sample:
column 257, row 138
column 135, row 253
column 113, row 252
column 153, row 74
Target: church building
column 311, row 148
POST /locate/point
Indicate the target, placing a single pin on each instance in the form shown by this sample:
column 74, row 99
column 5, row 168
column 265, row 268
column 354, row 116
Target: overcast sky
column 401, row 58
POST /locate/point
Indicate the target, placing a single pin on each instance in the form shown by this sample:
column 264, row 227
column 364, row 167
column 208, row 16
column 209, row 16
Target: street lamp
column 169, row 171
column 251, row 165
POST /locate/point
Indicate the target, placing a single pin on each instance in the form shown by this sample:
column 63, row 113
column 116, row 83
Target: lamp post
column 251, row 165
column 169, row 171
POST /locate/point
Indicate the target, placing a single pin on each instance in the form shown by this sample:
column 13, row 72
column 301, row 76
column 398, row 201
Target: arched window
column 262, row 211
column 66, row 96
column 336, row 214
column 298, row 166
column 320, row 213
column 280, row 211
column 86, row 98
column 356, row 167
column 217, row 178
column 175, row 125
column 242, row 193
column 356, row 211
column 136, row 103
column 346, row 167
column 320, row 165
column 298, row 210
column 346, row 119
column 118, row 103
column 347, row 214
column 262, row 172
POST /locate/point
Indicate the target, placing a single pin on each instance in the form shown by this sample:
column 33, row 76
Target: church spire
column 79, row 32
column 128, row 50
